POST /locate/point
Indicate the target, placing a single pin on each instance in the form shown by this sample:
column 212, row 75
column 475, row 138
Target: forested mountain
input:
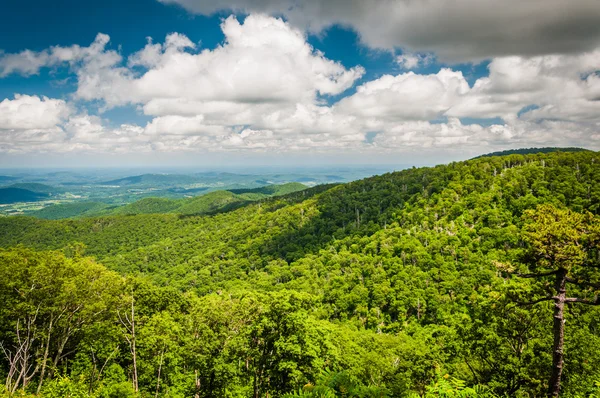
column 529, row 151
column 36, row 187
column 152, row 180
column 210, row 203
column 13, row 195
column 400, row 284
column 69, row 210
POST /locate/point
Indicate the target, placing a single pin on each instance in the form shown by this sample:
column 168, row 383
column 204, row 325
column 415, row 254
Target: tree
column 563, row 244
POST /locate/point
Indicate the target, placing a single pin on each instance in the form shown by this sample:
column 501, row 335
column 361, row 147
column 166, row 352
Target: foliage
column 369, row 288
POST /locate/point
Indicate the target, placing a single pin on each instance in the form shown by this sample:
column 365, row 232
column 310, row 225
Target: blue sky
column 288, row 82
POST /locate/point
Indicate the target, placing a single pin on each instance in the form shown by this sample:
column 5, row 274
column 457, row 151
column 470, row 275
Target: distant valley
column 82, row 193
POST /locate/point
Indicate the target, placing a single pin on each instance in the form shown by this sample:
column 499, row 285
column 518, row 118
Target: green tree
column 562, row 244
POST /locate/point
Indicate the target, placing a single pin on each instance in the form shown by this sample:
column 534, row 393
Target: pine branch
column 536, row 301
column 537, row 275
column 582, row 283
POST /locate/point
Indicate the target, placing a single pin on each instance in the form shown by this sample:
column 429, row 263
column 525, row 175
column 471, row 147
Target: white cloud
column 409, row 60
column 262, row 91
column 553, row 83
column 407, row 96
column 263, row 61
column 29, row 62
column 26, row 112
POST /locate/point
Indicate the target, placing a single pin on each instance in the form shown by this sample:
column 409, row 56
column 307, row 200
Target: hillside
column 212, row 202
column 152, row 180
column 68, row 210
column 6, row 179
column 15, row 195
column 531, row 151
column 272, row 190
column 36, row 187
column 387, row 283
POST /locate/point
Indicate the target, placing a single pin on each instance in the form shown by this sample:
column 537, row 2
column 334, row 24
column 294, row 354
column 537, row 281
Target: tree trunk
column 159, row 369
column 46, row 351
column 559, row 333
column 133, row 353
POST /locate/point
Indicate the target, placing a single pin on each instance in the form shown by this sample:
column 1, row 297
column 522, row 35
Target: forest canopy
column 404, row 284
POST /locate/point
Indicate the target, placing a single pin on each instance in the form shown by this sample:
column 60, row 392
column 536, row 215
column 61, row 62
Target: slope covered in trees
column 530, row 151
column 210, row 203
column 68, row 210
column 36, row 187
column 381, row 286
column 14, row 195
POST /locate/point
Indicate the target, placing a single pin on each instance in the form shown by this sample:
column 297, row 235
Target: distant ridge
column 5, row 179
column 210, row 203
column 15, row 195
column 528, row 151
column 281, row 189
column 37, row 188
column 152, row 179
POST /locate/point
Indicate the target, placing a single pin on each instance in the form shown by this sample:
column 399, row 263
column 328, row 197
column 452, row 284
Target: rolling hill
column 38, row 188
column 7, row 179
column 69, row 210
column 210, row 203
column 530, row 151
column 152, row 180
column 16, row 195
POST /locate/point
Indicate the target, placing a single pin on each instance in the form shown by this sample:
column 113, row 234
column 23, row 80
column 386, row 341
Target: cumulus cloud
column 455, row 30
column 263, row 90
column 262, row 61
column 27, row 112
column 407, row 96
column 409, row 60
column 560, row 87
column 29, row 62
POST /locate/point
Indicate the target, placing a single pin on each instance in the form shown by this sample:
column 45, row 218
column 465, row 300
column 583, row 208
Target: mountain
column 400, row 285
column 529, row 151
column 36, row 187
column 7, row 179
column 271, row 190
column 68, row 210
column 212, row 202
column 152, row 180
column 15, row 195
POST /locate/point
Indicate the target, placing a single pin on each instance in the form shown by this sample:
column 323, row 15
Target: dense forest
column 435, row 281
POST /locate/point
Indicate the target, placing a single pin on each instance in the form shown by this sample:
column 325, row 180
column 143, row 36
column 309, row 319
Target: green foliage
column 450, row 387
column 272, row 190
column 527, row 151
column 388, row 282
column 148, row 206
column 209, row 203
column 338, row 384
column 68, row 210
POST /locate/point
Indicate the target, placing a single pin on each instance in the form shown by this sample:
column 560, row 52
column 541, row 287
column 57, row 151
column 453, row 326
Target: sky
column 293, row 82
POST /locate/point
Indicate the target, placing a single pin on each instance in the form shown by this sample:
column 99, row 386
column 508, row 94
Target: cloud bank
column 265, row 89
column 455, row 30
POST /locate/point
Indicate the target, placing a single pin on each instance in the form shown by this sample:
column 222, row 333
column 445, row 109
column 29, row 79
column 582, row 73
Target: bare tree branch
column 583, row 301
column 537, row 275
